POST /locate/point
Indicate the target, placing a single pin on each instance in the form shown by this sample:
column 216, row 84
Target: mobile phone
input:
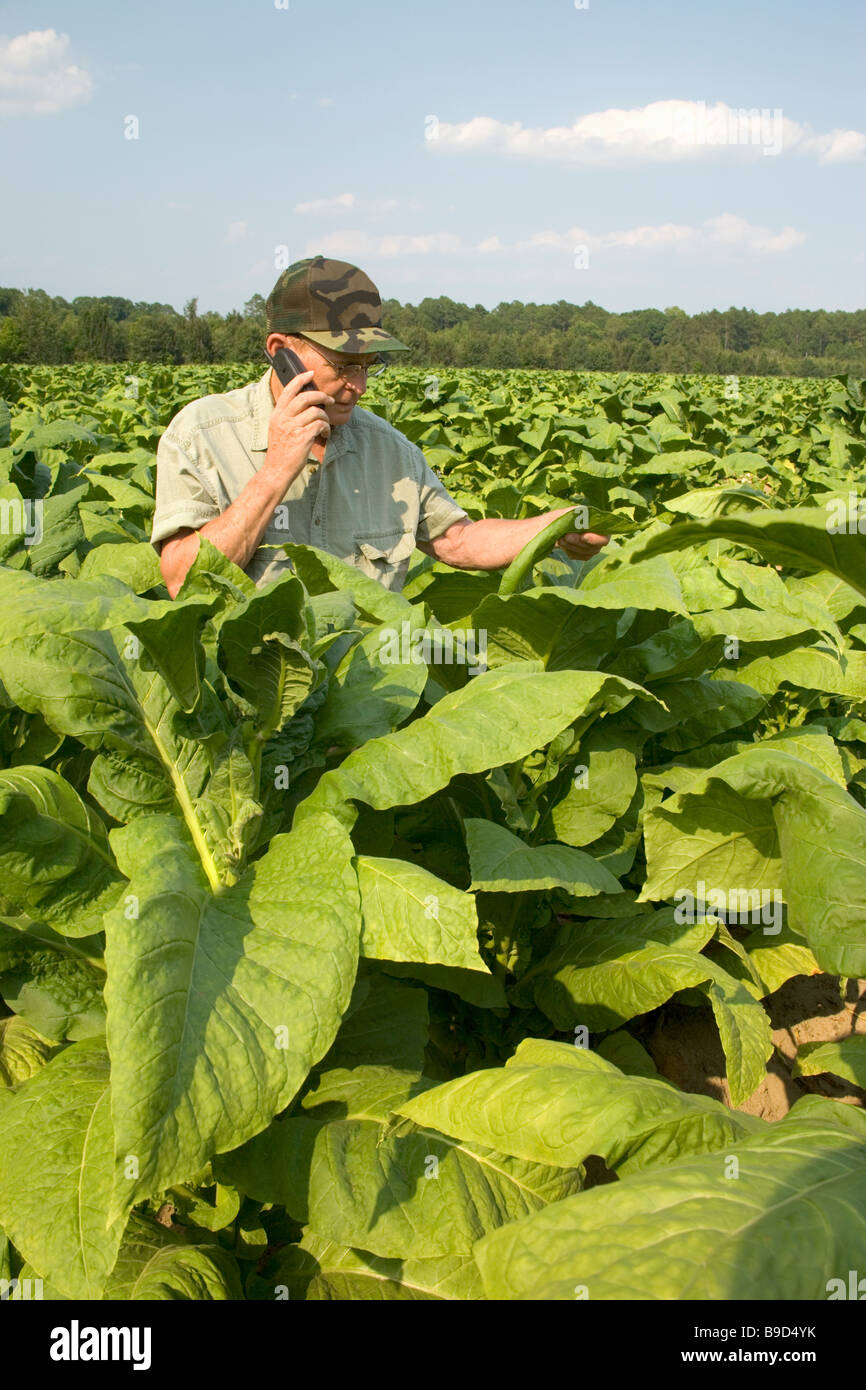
column 287, row 364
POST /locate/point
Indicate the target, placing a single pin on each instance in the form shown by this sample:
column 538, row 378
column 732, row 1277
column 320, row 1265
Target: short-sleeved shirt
column 368, row 502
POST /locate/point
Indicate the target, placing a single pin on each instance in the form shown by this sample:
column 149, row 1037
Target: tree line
column 37, row 327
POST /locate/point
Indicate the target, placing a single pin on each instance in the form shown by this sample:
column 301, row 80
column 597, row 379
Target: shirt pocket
column 385, row 555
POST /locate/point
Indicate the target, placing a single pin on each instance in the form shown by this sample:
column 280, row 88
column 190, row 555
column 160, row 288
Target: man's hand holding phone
column 297, row 421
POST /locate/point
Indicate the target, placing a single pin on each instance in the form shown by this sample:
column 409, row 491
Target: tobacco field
column 330, row 977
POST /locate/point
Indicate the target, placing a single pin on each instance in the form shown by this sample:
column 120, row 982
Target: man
column 256, row 467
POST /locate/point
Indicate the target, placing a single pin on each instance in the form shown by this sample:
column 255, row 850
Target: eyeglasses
column 350, row 370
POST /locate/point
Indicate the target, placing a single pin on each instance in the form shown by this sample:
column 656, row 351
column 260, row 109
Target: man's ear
column 274, row 341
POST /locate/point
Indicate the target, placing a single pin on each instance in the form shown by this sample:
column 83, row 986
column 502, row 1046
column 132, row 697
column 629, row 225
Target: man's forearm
column 237, row 531
column 492, row 542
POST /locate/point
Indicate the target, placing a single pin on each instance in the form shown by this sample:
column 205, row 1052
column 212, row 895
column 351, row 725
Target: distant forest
column 39, row 328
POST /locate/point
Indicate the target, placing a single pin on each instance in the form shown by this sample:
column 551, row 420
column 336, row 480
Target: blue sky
column 635, row 154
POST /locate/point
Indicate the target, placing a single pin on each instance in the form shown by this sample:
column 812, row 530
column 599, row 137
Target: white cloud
column 322, row 206
column 725, row 231
column 667, row 236
column 35, row 78
column 235, row 232
column 557, row 241
column 325, row 101
column 728, row 231
column 662, row 132
column 358, row 243
column 345, row 202
column 837, row 147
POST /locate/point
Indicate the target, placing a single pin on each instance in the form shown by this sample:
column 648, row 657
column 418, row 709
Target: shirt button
column 316, row 521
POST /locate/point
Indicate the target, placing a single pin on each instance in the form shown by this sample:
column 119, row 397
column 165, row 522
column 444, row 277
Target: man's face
column 346, row 391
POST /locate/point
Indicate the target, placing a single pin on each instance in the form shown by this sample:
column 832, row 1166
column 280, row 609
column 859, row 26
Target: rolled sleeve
column 437, row 510
column 183, row 497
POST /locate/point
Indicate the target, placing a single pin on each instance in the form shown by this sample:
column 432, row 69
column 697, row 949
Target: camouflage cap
column 332, row 303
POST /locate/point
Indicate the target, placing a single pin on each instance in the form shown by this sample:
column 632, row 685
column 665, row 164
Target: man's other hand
column 582, row 545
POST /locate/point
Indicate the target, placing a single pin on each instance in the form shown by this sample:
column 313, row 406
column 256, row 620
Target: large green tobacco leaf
column 651, row 586
column 496, row 719
column 22, row 1051
column 723, row 840
column 104, row 690
column 503, row 863
column 556, row 1103
column 597, row 796
column 384, row 1025
column 54, row 1195
column 836, row 597
column 716, row 501
column 572, row 627
column 171, row 641
column 211, row 573
column 807, row 668
column 700, row 710
column 702, row 585
column 320, row 571
column 703, row 1228
column 800, row 538
column 763, row 587
column 220, row 1003
column 625, row 1052
column 450, row 594
column 155, row 1263
column 260, row 653
column 369, row 694
column 136, row 565
column 833, row 1112
column 47, row 622
column 776, row 959
column 547, row 625
column 475, row 986
column 602, row 973
column 744, row 1030
column 846, row 1058
column 763, row 821
column 677, row 651
column 197, row 769
column 322, row 1270
column 55, row 859
column 62, row 530
column 410, row 914
column 811, row 743
column 55, row 984
column 395, row 1191
column 764, row 630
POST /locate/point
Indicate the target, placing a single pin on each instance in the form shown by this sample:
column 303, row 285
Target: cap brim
column 357, row 340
